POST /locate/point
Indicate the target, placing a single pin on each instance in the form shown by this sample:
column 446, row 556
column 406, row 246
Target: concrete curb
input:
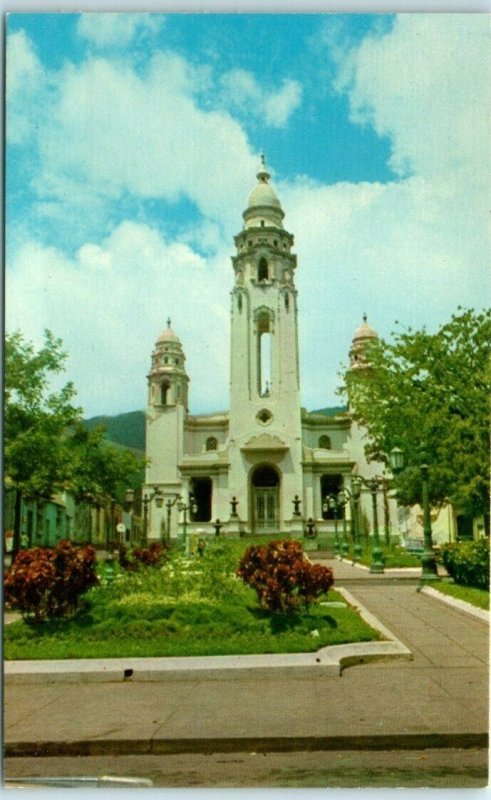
column 468, row 608
column 328, row 662
column 270, row 744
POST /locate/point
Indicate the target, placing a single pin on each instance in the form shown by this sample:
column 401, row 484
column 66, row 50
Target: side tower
column 265, row 428
column 166, row 412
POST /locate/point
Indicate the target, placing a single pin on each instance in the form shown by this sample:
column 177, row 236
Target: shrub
column 467, row 562
column 153, row 556
column 48, row 582
column 282, row 576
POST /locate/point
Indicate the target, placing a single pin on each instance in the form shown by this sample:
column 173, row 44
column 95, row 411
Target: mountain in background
column 333, row 411
column 127, row 429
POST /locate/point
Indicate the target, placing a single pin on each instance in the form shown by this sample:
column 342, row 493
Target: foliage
column 432, row 390
column 136, row 616
column 48, row 582
column 152, row 556
column 37, row 459
column 467, row 562
column 98, row 468
column 282, row 577
column 469, row 594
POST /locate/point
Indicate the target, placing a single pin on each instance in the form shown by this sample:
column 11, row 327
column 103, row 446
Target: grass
column 393, row 557
column 477, row 597
column 189, row 608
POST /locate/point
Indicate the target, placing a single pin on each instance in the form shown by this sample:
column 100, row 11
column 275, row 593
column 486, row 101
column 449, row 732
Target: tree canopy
column 430, row 392
column 47, row 447
column 36, row 418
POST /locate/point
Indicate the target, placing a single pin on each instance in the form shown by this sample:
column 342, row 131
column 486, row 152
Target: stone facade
column 266, row 466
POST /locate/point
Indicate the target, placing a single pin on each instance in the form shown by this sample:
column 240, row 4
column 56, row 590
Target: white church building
column 267, row 466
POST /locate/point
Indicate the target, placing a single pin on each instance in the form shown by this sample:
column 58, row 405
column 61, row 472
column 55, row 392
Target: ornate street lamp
column 373, row 485
column 184, row 508
column 355, row 494
column 330, row 503
column 169, row 504
column 342, row 499
column 146, row 500
column 429, row 569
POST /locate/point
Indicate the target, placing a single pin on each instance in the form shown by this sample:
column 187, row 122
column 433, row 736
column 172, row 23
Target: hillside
column 127, row 429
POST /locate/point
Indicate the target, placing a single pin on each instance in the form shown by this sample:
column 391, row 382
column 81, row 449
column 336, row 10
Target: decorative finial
column 168, row 322
column 262, row 173
column 365, row 318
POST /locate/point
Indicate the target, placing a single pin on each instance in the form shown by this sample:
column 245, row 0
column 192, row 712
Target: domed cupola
column 263, row 207
column 364, row 337
column 167, row 380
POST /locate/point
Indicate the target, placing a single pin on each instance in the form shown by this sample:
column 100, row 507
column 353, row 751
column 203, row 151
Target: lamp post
column 373, row 485
column 429, row 569
column 146, row 500
column 330, row 503
column 342, row 499
column 184, row 508
column 355, row 494
column 169, row 504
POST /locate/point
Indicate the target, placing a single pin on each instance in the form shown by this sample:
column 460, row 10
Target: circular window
column 264, row 416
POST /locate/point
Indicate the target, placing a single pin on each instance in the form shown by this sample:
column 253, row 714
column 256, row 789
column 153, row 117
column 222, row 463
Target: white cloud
column 113, row 29
column 427, row 85
column 25, row 87
column 242, row 91
column 111, row 132
column 109, row 303
column 411, row 250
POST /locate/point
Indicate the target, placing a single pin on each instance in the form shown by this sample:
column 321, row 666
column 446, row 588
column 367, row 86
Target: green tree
column 100, row 468
column 35, row 419
column 431, row 391
column 46, row 446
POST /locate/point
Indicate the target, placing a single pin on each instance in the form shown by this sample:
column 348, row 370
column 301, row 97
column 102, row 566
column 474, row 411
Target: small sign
column 121, row 527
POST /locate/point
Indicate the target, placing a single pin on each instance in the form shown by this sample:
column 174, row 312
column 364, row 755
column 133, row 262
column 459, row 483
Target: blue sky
column 132, row 145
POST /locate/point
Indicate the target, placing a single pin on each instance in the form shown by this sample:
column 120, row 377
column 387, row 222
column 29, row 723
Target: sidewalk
column 440, row 698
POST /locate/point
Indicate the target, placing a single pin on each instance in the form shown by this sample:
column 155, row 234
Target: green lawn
column 190, row 608
column 477, row 597
column 393, row 557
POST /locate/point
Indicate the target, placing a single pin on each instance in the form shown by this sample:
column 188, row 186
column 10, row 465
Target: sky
column 132, row 144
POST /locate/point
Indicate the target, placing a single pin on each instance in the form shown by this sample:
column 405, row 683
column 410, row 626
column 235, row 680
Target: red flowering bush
column 153, row 556
column 282, row 576
column 48, row 582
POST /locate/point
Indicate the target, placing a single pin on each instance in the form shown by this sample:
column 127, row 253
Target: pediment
column 264, row 441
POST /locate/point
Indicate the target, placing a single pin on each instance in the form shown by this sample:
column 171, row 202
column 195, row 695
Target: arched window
column 325, row 443
column 287, row 301
column 211, row 443
column 262, row 270
column 164, row 391
column 239, row 303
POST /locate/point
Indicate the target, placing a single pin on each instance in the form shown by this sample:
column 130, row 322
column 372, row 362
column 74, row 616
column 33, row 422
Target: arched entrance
column 265, row 499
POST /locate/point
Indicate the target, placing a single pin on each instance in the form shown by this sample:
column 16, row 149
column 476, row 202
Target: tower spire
column 262, row 174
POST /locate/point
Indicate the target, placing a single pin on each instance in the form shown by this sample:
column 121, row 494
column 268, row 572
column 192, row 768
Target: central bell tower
column 265, row 419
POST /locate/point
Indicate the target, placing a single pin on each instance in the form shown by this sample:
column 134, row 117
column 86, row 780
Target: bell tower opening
column 264, row 354
column 262, row 270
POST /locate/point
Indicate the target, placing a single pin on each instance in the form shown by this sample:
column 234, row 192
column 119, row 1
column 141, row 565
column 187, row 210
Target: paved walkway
column 439, row 699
